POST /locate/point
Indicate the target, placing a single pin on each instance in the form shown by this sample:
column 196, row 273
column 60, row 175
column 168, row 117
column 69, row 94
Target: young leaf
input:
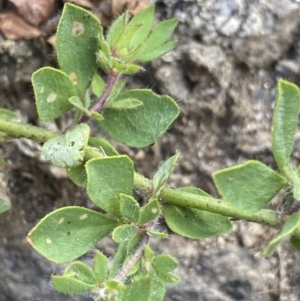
column 77, row 174
column 52, row 89
column 7, row 114
column 163, row 173
column 128, row 103
column 148, row 254
column 80, row 271
column 77, row 103
column 194, row 190
column 194, row 223
column 104, row 145
column 285, row 121
column 115, row 285
column 118, row 260
column 149, row 212
column 168, row 278
column 164, row 263
column 157, row 40
column 76, row 45
column 145, row 19
column 133, row 243
column 129, row 208
column 138, row 290
column 100, row 267
column 123, row 233
column 67, row 150
column 143, row 125
column 98, row 84
column 69, row 285
column 158, row 234
column 292, row 222
column 106, row 179
column 249, row 186
column 67, row 233
column 5, row 203
column 116, row 29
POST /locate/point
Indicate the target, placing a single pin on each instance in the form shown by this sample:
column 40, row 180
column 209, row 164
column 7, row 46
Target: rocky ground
column 223, row 74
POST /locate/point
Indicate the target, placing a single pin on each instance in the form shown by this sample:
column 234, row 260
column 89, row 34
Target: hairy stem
column 134, row 259
column 168, row 195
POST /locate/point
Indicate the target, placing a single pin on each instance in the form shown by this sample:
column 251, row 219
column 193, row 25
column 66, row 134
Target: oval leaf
column 79, row 270
column 149, row 212
column 76, row 45
column 52, row 89
column 138, row 290
column 100, row 266
column 67, row 150
column 143, row 125
column 249, row 186
column 69, row 285
column 194, row 223
column 106, row 179
column 130, row 208
column 67, row 233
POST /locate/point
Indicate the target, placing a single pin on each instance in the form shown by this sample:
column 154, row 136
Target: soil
column 223, row 74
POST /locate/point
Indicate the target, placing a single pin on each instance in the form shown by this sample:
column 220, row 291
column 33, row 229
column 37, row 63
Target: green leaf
column 118, row 260
column 67, row 150
column 164, row 263
column 151, row 55
column 133, row 243
column 148, row 254
column 115, row 285
column 128, row 103
column 145, row 19
column 80, row 271
column 98, row 84
column 7, row 114
column 67, row 233
column 138, row 290
column 117, row 89
column 127, row 35
column 158, row 234
column 194, row 190
column 149, row 212
column 163, row 173
column 142, row 126
column 76, row 44
column 77, row 174
column 291, row 224
column 285, row 121
column 106, row 179
column 130, row 208
column 77, row 103
column 100, row 266
column 194, row 223
column 5, row 203
column 158, row 40
column 168, row 278
column 116, row 29
column 123, row 233
column 104, row 145
column 52, row 89
column 157, row 291
column 249, row 186
column 69, row 285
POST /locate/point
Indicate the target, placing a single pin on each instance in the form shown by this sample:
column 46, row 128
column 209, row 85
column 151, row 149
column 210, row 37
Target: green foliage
column 136, row 118
column 142, row 125
column 249, row 186
column 69, row 232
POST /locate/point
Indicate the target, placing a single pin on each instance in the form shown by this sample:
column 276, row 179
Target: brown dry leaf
column 52, row 41
column 35, row 12
column 15, row 28
column 134, row 6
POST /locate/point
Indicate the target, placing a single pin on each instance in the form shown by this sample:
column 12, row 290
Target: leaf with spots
column 106, row 179
column 77, row 44
column 149, row 212
column 52, row 89
column 67, row 233
column 248, row 186
column 142, row 125
column 67, row 150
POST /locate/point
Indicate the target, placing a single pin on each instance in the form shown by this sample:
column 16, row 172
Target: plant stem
column 134, row 259
column 168, row 195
